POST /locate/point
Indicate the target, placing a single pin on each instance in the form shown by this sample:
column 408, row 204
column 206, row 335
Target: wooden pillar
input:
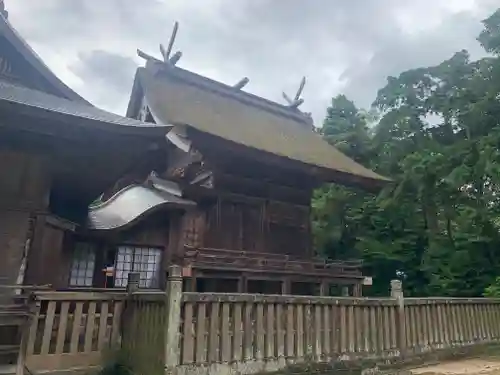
column 286, row 286
column 324, row 288
column 357, row 290
column 192, row 282
column 172, row 335
column 243, row 284
column 175, row 246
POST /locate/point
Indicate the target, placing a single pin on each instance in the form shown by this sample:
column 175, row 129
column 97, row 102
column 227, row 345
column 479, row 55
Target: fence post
column 133, row 279
column 397, row 293
column 173, row 301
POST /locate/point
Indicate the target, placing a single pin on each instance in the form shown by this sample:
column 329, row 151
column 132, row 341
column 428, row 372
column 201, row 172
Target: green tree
column 438, row 138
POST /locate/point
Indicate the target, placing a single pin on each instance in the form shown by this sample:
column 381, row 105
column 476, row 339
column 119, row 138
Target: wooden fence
column 241, row 333
column 72, row 330
column 196, row 333
column 276, row 329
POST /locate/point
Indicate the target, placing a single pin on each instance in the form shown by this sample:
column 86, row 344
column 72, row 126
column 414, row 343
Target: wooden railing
column 243, row 333
column 255, row 261
column 72, row 330
column 448, row 322
column 224, row 328
column 272, row 331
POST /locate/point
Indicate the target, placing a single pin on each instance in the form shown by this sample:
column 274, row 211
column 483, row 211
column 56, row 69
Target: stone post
column 173, row 302
column 397, row 294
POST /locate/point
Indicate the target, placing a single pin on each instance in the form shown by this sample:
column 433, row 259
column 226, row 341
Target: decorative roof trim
column 131, row 204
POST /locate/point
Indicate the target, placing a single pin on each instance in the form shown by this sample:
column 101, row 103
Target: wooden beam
column 263, row 188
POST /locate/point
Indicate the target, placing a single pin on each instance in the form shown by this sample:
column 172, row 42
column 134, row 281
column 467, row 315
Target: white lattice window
column 145, row 260
column 82, row 265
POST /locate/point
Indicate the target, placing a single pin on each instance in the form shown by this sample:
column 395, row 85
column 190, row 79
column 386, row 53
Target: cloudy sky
column 341, row 46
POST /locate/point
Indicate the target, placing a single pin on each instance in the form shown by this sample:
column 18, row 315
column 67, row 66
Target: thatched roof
column 176, row 96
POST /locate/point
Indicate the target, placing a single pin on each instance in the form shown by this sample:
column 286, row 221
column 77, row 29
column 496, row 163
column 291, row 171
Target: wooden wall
column 24, row 193
column 257, row 225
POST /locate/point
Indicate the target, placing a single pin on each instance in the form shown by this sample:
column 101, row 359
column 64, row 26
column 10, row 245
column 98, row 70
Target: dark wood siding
column 258, row 226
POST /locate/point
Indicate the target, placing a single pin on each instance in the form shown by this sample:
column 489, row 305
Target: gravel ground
column 489, row 366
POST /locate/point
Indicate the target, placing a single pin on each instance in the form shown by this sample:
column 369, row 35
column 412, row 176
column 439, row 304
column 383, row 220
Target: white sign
column 368, row 280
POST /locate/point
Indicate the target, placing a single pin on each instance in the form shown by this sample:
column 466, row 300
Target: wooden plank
column 358, row 328
column 75, row 332
column 213, row 336
column 335, row 329
column 350, row 326
column 270, row 332
column 61, row 332
column 280, row 331
column 290, row 331
column 89, row 328
column 373, row 329
column 103, row 325
column 317, row 325
column 327, row 318
column 225, row 333
column 187, row 335
column 47, row 331
column 343, row 330
column 30, row 348
column 300, row 331
column 200, row 336
column 394, row 324
column 115, row 326
column 387, row 327
column 238, row 333
column 259, row 334
column 366, row 329
column 248, row 333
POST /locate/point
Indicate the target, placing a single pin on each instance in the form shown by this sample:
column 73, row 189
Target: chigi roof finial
column 3, row 12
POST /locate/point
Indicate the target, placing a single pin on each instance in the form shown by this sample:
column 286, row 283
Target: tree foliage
column 435, row 131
